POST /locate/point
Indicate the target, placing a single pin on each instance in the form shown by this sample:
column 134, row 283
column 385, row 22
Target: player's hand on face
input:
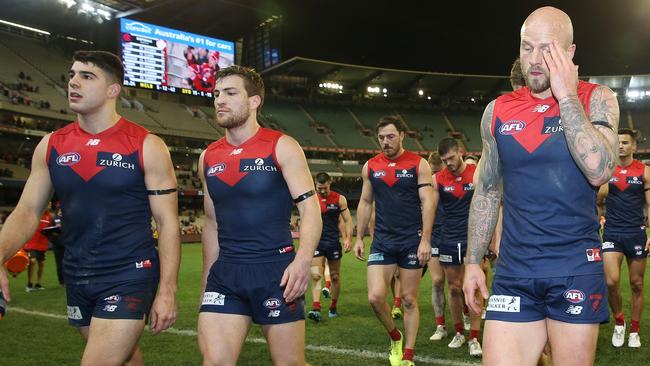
column 474, row 280
column 4, row 283
column 163, row 312
column 359, row 249
column 563, row 72
column 295, row 279
column 424, row 253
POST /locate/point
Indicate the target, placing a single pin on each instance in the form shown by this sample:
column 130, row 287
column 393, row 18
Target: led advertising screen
column 169, row 60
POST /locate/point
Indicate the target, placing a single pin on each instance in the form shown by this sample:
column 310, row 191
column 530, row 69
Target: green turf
column 35, row 340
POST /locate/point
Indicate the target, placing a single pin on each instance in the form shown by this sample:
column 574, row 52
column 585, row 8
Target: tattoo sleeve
column 484, row 210
column 593, row 147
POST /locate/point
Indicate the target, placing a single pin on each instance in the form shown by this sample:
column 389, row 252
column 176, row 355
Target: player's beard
column 233, row 120
column 538, row 85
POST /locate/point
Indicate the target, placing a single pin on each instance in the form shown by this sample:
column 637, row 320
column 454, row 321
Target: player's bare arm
column 364, row 211
column 646, row 193
column 603, row 191
column 483, row 212
column 23, row 221
column 209, row 237
column 591, row 140
column 429, row 202
column 347, row 223
column 295, row 171
column 160, row 180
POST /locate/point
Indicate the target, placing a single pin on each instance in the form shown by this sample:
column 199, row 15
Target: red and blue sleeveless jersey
column 106, row 227
column 330, row 211
column 550, row 221
column 251, row 199
column 398, row 216
column 456, row 194
column 626, row 200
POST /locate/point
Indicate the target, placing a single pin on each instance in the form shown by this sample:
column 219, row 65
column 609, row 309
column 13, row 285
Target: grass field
column 28, row 337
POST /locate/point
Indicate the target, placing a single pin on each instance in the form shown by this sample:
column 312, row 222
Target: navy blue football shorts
column 130, row 299
column 331, row 251
column 452, row 253
column 575, row 299
column 405, row 256
column 632, row 245
column 251, row 289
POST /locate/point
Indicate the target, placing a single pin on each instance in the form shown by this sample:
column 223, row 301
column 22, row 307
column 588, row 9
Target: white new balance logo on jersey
column 236, row 151
column 541, row 108
column 92, row 142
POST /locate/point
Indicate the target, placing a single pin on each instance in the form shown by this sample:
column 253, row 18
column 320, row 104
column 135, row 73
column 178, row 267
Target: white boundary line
column 326, row 349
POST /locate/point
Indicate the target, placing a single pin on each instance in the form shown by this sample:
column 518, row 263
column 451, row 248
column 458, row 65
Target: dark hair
column 517, row 75
column 108, row 62
column 434, row 158
column 628, row 131
column 253, row 82
column 323, row 178
column 447, row 144
column 390, row 120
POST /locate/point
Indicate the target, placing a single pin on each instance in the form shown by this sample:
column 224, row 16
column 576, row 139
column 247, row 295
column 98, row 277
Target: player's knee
column 315, row 276
column 376, row 300
column 438, row 281
column 334, row 277
column 409, row 301
column 612, row 282
column 214, row 359
column 455, row 290
column 637, row 285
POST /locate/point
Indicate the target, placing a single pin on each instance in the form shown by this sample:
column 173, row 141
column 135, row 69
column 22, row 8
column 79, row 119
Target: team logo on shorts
column 574, row 296
column 595, row 301
column 68, row 159
column 435, row 250
column 113, row 299
column 74, row 313
column 376, row 257
column 213, row 298
column 593, row 255
column 512, row 127
column 446, row 258
column 504, row 304
column 608, row 245
column 272, row 303
column 216, row 169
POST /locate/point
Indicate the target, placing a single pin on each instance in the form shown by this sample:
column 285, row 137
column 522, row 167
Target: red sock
column 328, row 284
column 398, row 302
column 465, row 310
column 460, row 328
column 333, row 304
column 316, row 305
column 440, row 320
column 408, row 354
column 619, row 318
column 394, row 334
column 474, row 333
column 636, row 326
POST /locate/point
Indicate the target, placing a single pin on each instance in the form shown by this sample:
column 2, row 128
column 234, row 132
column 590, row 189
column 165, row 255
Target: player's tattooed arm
column 484, row 210
column 592, row 140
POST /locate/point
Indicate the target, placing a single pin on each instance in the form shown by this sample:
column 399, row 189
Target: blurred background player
column 455, row 186
column 36, row 248
column 113, row 274
column 333, row 207
column 251, row 271
column 627, row 197
column 399, row 182
column 436, row 272
column 549, row 282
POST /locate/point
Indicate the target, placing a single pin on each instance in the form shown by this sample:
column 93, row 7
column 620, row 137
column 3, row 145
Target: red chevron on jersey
column 531, row 121
column 628, row 176
column 230, row 164
column 391, row 171
column 88, row 154
column 459, row 185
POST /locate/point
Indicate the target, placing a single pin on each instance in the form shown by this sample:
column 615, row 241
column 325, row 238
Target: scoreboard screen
column 169, row 60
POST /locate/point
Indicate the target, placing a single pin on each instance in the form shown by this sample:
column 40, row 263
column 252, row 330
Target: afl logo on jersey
column 512, row 127
column 216, row 169
column 574, row 296
column 379, row 174
column 67, row 159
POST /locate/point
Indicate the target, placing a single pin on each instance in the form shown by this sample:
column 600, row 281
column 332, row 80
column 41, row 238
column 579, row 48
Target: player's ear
column 114, row 90
column 255, row 101
column 572, row 50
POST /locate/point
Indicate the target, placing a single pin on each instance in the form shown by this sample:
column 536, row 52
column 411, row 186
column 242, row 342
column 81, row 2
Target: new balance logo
column 541, row 108
column 236, row 151
column 92, row 142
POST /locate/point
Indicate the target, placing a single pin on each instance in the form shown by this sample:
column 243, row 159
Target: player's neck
column 460, row 169
column 542, row 95
column 627, row 160
column 98, row 121
column 238, row 135
column 394, row 157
